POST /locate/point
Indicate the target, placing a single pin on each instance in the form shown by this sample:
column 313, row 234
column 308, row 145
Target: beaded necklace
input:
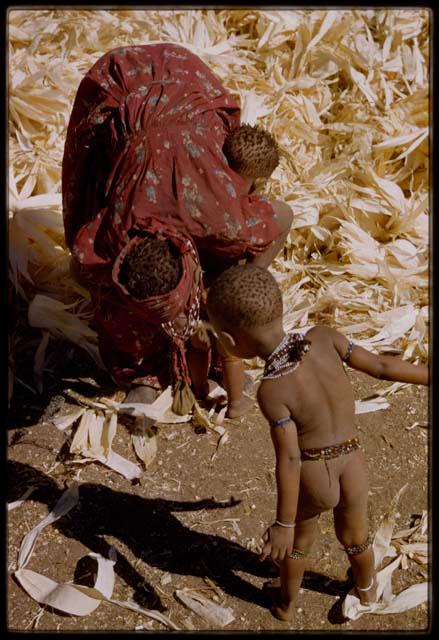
column 286, row 356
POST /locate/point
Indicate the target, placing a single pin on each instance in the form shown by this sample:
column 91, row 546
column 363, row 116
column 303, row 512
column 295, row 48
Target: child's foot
column 237, row 408
column 285, row 614
column 280, row 610
column 370, row 595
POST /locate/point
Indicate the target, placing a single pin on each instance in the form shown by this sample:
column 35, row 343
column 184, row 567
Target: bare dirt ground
column 169, row 532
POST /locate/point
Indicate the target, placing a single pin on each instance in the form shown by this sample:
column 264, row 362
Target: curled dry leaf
column 67, row 416
column 383, row 536
column 219, row 419
column 68, row 500
column 93, row 439
column 367, row 406
column 200, row 418
column 222, row 441
column 389, row 604
column 79, row 600
column 20, row 501
column 71, row 598
column 210, row 611
column 145, row 446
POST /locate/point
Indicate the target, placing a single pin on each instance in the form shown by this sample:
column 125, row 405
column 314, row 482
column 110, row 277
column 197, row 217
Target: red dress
column 144, row 143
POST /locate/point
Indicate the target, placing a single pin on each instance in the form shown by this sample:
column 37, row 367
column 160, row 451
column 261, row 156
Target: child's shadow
column 322, row 584
column 153, row 534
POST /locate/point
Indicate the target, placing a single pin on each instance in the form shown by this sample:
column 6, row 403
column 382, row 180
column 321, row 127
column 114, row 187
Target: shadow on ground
column 151, row 531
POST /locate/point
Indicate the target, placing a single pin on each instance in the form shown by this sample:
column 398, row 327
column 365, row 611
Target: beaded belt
column 326, row 453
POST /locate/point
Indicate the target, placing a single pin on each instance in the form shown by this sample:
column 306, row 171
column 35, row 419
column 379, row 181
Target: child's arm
column 279, row 539
column 382, row 367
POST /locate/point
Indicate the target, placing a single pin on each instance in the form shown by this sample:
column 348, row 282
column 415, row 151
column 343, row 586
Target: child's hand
column 279, row 543
column 200, row 339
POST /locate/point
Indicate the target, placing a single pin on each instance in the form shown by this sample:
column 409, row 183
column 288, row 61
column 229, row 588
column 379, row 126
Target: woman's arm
column 283, row 216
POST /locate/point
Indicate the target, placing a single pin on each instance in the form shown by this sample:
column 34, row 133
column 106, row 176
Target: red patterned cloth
column 144, row 143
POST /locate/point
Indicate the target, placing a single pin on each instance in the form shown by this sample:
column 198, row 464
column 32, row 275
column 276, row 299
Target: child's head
column 251, row 151
column 151, row 268
column 243, row 304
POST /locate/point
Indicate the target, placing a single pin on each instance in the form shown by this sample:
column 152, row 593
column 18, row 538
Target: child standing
column 308, row 401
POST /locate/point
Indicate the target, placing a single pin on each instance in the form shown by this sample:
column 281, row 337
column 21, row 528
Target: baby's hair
column 151, row 268
column 251, row 151
column 245, row 296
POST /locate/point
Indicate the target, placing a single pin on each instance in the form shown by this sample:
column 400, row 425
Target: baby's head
column 244, row 305
column 251, row 151
column 151, row 268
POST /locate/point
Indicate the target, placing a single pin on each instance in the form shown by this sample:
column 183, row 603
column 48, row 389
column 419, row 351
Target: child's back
column 318, row 393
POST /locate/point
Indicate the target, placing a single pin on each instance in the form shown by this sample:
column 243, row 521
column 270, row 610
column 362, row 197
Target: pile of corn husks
column 345, row 92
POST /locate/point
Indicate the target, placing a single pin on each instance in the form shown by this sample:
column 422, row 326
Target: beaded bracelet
column 283, row 524
column 348, row 352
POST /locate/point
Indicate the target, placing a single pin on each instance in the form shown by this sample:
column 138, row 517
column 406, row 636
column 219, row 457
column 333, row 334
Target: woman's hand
column 279, row 542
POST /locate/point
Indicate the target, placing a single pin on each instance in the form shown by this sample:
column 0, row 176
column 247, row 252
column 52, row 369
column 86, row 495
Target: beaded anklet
column 296, row 554
column 358, row 548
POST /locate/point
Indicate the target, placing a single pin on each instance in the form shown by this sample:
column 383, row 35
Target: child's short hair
column 151, row 268
column 251, row 151
column 245, row 296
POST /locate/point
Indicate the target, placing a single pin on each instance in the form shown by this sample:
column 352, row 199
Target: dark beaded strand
column 333, row 451
column 286, row 357
column 358, row 548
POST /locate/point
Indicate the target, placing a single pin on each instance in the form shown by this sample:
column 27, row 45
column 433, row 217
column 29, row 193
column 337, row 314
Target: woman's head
column 251, row 151
column 151, row 268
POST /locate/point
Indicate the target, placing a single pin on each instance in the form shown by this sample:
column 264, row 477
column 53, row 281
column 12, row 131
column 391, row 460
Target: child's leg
column 198, row 361
column 319, row 491
column 292, row 569
column 233, row 380
column 351, row 525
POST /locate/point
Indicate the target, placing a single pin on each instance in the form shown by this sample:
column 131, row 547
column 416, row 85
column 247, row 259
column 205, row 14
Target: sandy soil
column 169, row 530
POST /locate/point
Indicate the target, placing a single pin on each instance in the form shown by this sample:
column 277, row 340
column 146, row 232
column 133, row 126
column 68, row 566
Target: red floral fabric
column 144, row 142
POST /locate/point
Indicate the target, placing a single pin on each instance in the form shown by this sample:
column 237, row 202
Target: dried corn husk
column 382, row 546
column 411, row 597
column 145, row 444
column 93, row 438
column 68, row 500
column 20, row 501
column 210, row 611
column 383, row 536
column 70, row 598
column 345, row 92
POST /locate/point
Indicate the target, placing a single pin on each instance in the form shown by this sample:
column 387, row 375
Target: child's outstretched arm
column 279, row 537
column 383, row 367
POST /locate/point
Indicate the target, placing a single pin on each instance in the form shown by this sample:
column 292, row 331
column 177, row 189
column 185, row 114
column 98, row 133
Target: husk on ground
column 345, row 92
